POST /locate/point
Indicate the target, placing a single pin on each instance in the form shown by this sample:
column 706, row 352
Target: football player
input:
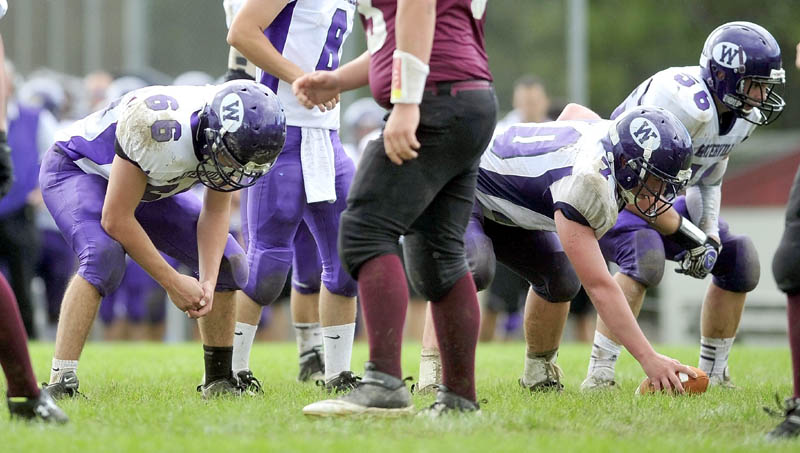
column 546, row 193
column 24, row 398
column 786, row 269
column 309, row 184
column 721, row 102
column 114, row 183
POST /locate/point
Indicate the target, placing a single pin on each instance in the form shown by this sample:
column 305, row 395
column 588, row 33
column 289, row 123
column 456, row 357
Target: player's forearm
column 212, row 235
column 609, row 300
column 129, row 232
column 414, row 27
column 251, row 42
column 666, row 223
column 703, row 202
column 354, row 74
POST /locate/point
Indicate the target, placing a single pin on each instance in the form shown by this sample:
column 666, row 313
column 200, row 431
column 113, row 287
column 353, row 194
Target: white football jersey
column 681, row 90
column 153, row 127
column 533, row 169
column 311, row 34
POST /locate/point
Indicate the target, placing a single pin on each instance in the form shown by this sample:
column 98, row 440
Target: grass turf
column 141, row 397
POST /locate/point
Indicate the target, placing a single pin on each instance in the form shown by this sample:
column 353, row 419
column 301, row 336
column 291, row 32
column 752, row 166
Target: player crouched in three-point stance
column 546, row 193
column 115, row 183
column 720, row 102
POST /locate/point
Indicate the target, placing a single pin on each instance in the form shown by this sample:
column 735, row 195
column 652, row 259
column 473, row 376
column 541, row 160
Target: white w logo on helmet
column 232, row 112
column 645, row 134
column 729, row 55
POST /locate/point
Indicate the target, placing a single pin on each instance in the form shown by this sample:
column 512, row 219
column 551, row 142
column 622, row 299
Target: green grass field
column 141, row 397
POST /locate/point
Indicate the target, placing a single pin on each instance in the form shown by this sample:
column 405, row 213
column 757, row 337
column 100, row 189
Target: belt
column 453, row 88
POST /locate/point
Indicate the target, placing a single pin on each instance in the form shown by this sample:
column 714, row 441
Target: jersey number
column 329, row 58
column 164, row 130
column 700, row 98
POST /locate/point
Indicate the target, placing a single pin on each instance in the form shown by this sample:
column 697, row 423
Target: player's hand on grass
column 400, row 133
column 663, row 372
column 318, row 88
column 187, row 294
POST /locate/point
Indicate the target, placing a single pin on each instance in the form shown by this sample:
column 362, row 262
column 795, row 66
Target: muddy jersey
column 458, row 43
column 150, row 127
column 533, row 169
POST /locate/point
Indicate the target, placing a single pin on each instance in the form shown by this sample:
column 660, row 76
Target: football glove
column 699, row 261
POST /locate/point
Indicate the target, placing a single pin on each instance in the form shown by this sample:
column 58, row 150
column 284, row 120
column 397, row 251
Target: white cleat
column 600, row 379
column 722, row 381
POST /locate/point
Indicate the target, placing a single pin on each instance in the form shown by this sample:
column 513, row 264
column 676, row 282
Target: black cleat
column 248, row 383
column 376, row 393
column 67, row 386
column 43, row 408
column 342, row 382
column 790, row 426
column 220, row 388
column 312, row 365
column 448, row 403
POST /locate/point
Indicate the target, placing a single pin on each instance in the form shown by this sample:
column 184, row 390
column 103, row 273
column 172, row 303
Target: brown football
column 690, row 385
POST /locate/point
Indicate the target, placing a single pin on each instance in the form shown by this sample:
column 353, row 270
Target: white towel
column 319, row 167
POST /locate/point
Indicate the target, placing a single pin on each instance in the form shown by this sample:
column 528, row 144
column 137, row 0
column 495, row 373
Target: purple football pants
column 640, row 251
column 138, row 298
column 275, row 208
column 75, row 199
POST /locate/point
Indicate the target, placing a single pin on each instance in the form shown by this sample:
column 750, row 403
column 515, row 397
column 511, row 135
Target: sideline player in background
column 418, row 181
column 25, row 399
column 309, row 182
column 721, row 101
column 786, row 269
column 115, row 184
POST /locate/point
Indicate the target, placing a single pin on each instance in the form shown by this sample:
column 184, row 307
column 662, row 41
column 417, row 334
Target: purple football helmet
column 652, row 155
column 738, row 55
column 243, row 130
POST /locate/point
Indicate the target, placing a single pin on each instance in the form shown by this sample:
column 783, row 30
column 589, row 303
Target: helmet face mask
column 740, row 59
column 242, row 130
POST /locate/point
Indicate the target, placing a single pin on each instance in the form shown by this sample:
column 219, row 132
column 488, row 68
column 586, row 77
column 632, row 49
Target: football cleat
column 376, row 393
column 790, row 426
column 342, row 382
column 723, row 381
column 551, row 381
column 220, row 388
column 42, row 408
column 430, row 372
column 67, row 386
column 599, row 379
column 312, row 365
column 248, row 383
column 448, row 403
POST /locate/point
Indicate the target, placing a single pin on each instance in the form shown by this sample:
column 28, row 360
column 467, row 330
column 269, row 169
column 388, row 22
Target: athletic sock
column 383, row 294
column 605, row 353
column 14, row 356
column 714, row 354
column 338, row 341
column 218, row 362
column 243, row 336
column 308, row 336
column 430, row 368
column 60, row 367
column 793, row 316
column 457, row 318
column 536, row 366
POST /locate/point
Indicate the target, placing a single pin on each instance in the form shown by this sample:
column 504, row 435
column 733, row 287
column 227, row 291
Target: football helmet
column 738, row 55
column 242, row 131
column 651, row 153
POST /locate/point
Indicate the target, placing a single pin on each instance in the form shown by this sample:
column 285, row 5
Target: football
column 690, row 385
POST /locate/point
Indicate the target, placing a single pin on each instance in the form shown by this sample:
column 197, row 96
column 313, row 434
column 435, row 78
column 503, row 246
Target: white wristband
column 408, row 78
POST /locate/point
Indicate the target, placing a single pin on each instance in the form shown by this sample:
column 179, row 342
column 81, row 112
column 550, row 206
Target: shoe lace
column 248, row 382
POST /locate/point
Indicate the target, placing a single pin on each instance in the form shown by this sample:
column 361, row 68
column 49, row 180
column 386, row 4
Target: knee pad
column 340, row 283
column 103, row 264
column 738, row 268
column 481, row 260
column 642, row 256
column 560, row 285
column 431, row 272
column 267, row 277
